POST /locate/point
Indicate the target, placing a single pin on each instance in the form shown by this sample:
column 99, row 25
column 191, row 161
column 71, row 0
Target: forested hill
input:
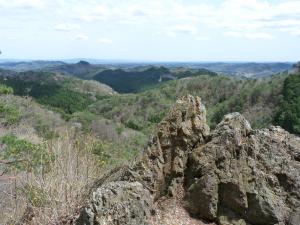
column 139, row 80
column 257, row 100
column 63, row 94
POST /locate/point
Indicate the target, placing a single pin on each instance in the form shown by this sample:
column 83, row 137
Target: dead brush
column 56, row 189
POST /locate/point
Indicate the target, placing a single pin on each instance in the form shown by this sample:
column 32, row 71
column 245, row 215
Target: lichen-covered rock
column 232, row 176
column 118, row 203
column 245, row 175
column 161, row 167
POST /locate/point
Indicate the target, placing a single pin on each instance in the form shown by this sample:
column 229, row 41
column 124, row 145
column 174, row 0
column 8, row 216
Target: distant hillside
column 27, row 119
column 65, row 94
column 257, row 100
column 30, row 65
column 7, row 73
column 136, row 80
column 82, row 69
column 253, row 70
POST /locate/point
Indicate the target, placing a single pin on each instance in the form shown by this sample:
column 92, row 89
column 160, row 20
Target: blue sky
column 156, row 30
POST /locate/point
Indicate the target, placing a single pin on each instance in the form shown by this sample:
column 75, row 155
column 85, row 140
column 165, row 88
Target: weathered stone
column 118, row 203
column 256, row 174
column 233, row 176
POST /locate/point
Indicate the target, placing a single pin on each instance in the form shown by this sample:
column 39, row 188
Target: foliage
column 256, row 99
column 289, row 114
column 9, row 114
column 198, row 72
column 133, row 125
column 44, row 131
column 48, row 91
column 35, row 195
column 5, row 89
column 85, row 118
column 23, row 155
column 132, row 81
column 66, row 100
column 136, row 81
column 110, row 154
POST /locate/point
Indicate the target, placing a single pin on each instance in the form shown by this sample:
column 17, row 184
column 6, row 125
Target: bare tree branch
column 11, row 161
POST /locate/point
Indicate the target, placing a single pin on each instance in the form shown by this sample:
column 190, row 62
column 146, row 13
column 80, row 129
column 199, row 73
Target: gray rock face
column 245, row 176
column 233, row 175
column 118, row 203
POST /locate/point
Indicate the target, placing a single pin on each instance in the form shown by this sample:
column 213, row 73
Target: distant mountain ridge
column 88, row 68
column 253, row 70
column 21, row 66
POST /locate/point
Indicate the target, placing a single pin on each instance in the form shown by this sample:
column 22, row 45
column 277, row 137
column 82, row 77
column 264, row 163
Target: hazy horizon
column 94, row 60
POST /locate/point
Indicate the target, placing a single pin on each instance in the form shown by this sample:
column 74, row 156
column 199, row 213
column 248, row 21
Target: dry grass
column 55, row 192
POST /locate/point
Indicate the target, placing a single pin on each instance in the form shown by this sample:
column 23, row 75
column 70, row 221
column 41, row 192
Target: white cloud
column 260, row 18
column 66, row 27
column 256, row 19
column 82, row 37
column 105, row 40
column 251, row 19
column 248, row 35
column 22, row 4
column 185, row 29
column 201, row 38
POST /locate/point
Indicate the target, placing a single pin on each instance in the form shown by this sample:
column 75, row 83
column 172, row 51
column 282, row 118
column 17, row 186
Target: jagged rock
column 118, row 203
column 161, row 167
column 235, row 175
column 244, row 175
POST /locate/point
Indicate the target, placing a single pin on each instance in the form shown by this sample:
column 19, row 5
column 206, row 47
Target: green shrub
column 47, row 91
column 5, row 89
column 9, row 114
column 23, row 155
column 36, row 196
column 133, row 125
column 156, row 118
column 85, row 118
column 120, row 129
column 101, row 149
column 43, row 129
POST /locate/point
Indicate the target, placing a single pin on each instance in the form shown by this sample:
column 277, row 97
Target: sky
column 151, row 30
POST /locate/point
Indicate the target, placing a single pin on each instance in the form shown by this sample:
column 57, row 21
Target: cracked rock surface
column 232, row 175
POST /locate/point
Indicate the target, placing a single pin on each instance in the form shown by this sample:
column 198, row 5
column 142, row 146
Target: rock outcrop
column 233, row 175
column 296, row 68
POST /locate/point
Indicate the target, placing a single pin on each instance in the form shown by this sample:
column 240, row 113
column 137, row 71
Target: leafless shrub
column 53, row 191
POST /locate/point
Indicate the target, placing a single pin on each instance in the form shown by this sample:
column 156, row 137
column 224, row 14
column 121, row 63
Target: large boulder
column 119, row 202
column 233, row 175
column 243, row 176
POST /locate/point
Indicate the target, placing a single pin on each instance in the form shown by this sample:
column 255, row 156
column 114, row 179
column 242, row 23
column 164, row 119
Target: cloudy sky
column 156, row 30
